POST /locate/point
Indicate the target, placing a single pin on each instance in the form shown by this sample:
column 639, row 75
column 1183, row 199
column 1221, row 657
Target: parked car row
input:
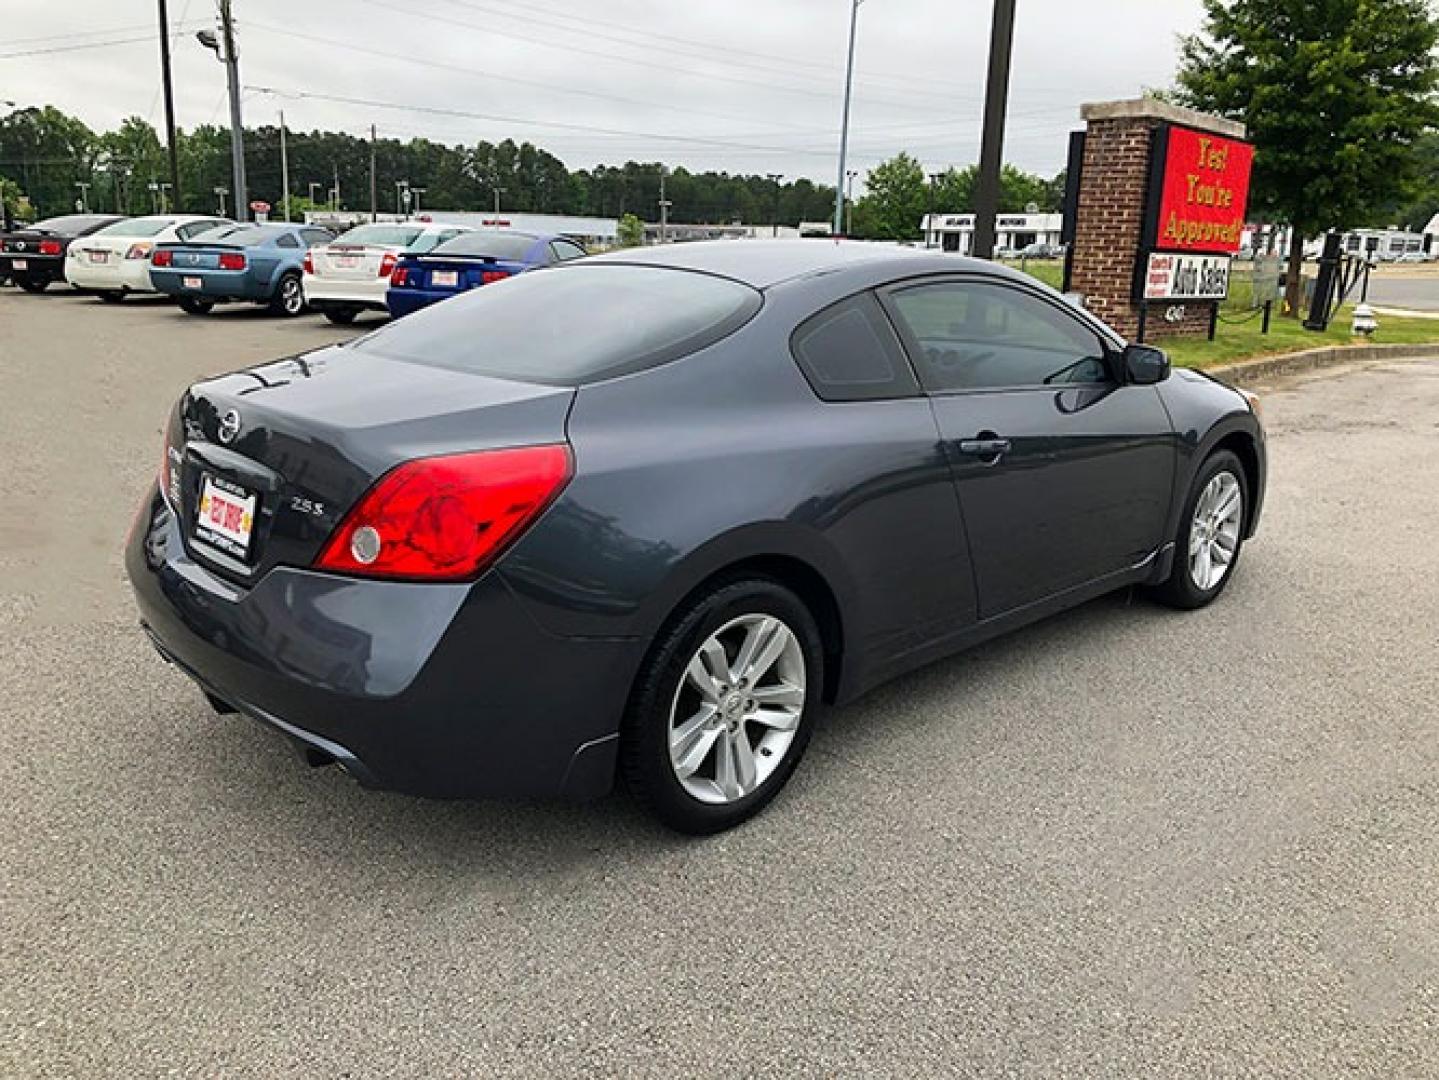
column 202, row 261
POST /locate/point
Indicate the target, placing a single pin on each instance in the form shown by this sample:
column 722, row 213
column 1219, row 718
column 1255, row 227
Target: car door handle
column 984, row 447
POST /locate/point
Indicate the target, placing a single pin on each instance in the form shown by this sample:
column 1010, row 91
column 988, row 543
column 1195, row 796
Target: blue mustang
column 256, row 263
column 470, row 260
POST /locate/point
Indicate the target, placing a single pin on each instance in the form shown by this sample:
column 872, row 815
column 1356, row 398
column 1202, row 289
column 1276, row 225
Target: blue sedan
column 258, row 264
column 470, row 260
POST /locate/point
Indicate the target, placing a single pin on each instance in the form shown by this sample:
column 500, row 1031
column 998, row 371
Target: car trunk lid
column 267, row 461
column 350, row 262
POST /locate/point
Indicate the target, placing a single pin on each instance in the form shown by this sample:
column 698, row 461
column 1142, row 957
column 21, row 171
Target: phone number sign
column 1171, row 276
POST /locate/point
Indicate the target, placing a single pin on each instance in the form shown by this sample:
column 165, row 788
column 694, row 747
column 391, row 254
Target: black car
column 644, row 514
column 34, row 256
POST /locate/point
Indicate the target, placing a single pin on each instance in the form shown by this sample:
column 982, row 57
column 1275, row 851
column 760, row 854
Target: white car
column 352, row 273
column 115, row 261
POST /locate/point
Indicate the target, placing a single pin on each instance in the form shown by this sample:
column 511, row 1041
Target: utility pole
column 237, row 123
column 374, row 180
column 168, row 83
column 665, row 205
column 775, row 178
column 284, row 165
column 991, row 152
column 844, row 124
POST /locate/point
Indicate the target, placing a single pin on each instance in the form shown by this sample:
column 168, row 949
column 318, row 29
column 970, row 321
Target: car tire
column 111, row 296
column 33, row 285
column 705, row 760
column 289, row 299
column 1210, row 527
column 342, row 316
column 192, row 306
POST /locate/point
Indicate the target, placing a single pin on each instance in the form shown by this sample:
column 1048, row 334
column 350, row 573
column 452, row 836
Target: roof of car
column 762, row 263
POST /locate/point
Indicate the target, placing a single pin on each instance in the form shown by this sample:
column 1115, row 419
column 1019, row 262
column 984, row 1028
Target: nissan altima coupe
column 642, row 516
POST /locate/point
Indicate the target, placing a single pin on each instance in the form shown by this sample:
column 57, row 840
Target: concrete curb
column 1267, row 367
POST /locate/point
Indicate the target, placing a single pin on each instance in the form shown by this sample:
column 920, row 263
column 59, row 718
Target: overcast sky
column 742, row 85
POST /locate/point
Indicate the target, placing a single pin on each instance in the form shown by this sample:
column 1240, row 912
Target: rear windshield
column 382, row 235
column 140, row 226
column 239, row 235
column 570, row 325
column 488, row 245
column 71, row 223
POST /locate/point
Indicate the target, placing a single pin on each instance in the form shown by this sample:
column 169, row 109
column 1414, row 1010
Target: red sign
column 1204, row 193
column 260, row 206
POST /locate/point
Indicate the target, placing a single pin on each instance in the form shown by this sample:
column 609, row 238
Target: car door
column 1064, row 474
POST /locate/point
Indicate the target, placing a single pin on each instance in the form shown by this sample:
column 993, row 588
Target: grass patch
column 1241, row 340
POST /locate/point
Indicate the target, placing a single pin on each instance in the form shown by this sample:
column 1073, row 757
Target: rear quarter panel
column 686, row 469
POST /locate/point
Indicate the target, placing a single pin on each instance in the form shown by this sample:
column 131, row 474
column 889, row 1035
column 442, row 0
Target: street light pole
column 849, row 201
column 284, row 166
column 991, row 153
column 844, row 124
column 224, row 48
column 665, row 205
column 84, row 196
column 775, row 178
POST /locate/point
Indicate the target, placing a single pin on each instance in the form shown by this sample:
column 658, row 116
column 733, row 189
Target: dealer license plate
column 192, row 283
column 347, row 262
column 225, row 518
column 99, row 256
column 445, row 279
column 19, row 264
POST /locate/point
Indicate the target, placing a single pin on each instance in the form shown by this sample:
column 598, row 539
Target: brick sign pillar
column 1110, row 198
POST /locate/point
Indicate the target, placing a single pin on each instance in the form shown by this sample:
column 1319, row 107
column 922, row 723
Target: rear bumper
column 451, row 691
column 214, row 285
column 403, row 302
column 49, row 267
column 322, row 292
column 125, row 275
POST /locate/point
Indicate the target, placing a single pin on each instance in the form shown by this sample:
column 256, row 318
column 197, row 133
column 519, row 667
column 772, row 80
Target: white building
column 596, row 231
column 1014, row 232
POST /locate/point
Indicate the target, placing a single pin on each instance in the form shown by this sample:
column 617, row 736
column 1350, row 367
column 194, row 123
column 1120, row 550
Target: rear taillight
column 488, row 276
column 169, row 477
column 49, row 247
column 232, row 260
column 446, row 518
column 387, row 264
column 138, row 251
column 400, row 276
column 309, row 263
column 162, row 258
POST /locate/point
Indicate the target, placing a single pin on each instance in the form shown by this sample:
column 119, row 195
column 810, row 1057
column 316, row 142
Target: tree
column 1334, row 95
column 631, row 231
column 896, row 201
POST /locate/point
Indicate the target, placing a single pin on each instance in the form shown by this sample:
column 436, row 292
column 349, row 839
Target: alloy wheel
column 737, row 709
column 1214, row 530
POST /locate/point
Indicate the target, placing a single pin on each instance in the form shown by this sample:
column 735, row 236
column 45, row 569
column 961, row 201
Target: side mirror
column 1145, row 365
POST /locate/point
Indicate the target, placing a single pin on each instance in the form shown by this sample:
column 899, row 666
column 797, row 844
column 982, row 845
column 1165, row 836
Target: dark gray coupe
column 644, row 514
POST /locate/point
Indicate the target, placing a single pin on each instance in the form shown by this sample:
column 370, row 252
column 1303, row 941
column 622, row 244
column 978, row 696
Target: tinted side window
column 316, row 236
column 287, row 240
column 976, row 336
column 563, row 249
column 848, row 352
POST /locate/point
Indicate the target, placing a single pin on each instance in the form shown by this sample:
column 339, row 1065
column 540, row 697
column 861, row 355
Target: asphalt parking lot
column 1126, row 842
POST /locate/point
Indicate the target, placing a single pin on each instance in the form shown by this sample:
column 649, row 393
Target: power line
column 472, row 73
column 648, row 64
column 149, row 38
